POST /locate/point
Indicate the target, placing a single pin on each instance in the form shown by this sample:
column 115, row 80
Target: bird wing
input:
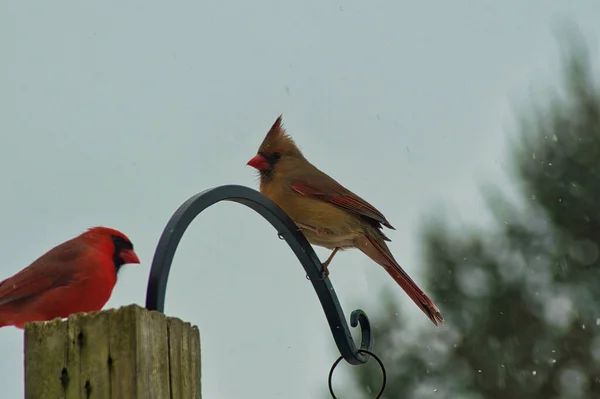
column 54, row 269
column 327, row 189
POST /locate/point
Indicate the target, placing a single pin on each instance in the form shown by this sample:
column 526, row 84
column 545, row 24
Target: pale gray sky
column 115, row 113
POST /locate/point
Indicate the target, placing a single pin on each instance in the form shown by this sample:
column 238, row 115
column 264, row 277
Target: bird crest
column 277, row 139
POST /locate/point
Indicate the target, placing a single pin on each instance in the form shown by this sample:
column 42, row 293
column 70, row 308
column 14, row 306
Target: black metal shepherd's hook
column 163, row 257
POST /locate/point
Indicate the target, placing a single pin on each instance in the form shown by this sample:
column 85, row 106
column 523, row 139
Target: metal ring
column 366, row 352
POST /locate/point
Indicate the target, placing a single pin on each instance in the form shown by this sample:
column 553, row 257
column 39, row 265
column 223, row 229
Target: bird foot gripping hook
column 316, row 271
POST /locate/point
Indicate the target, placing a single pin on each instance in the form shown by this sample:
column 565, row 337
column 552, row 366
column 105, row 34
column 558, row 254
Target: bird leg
column 320, row 232
column 326, row 263
column 317, row 230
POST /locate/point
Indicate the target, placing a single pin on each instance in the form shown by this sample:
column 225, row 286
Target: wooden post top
column 125, row 353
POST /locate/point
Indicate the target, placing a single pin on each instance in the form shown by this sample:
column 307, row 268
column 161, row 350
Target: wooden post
column 127, row 353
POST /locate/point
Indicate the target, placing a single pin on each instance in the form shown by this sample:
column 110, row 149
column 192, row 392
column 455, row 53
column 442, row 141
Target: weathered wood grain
column 128, row 353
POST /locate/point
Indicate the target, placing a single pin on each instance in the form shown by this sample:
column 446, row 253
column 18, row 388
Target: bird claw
column 325, row 266
column 324, row 275
column 319, row 231
column 325, row 272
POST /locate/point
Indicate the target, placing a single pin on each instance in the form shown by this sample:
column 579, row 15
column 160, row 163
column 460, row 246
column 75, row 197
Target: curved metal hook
column 181, row 219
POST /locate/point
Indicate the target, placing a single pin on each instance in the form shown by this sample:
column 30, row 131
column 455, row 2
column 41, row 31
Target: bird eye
column 120, row 243
column 277, row 155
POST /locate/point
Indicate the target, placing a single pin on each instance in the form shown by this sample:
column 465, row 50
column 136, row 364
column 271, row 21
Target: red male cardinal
column 75, row 276
column 329, row 215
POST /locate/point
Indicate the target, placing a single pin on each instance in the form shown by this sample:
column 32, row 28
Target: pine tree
column 521, row 296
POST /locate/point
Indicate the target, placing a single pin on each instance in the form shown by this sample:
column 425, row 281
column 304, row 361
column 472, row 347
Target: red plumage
column 75, row 276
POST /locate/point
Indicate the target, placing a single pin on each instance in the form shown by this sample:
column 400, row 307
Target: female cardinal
column 75, row 276
column 329, row 215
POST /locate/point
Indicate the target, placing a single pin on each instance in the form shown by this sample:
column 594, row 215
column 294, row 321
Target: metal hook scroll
column 181, row 219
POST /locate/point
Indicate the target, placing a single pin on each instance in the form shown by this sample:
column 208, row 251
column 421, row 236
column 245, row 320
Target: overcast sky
column 114, row 113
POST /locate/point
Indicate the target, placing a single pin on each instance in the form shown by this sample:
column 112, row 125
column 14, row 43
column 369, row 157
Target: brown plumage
column 329, row 215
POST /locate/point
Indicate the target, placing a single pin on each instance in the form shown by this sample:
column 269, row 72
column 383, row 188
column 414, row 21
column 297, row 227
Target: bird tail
column 376, row 249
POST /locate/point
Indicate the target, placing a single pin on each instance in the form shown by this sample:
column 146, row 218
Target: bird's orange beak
column 129, row 257
column 259, row 162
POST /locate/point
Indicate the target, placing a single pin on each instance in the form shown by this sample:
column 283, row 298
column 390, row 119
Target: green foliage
column 522, row 297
